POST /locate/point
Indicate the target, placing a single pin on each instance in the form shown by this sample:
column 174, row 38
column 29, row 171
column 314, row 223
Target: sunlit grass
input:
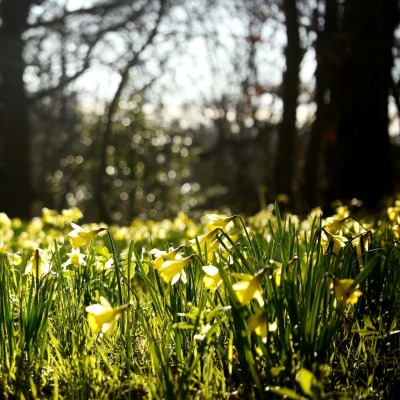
column 228, row 307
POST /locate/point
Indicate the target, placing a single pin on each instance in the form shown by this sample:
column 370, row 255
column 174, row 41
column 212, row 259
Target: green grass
column 186, row 341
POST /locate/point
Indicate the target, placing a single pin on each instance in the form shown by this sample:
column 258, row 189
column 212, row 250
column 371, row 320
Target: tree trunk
column 353, row 78
column 285, row 156
column 323, row 124
column 359, row 156
column 15, row 180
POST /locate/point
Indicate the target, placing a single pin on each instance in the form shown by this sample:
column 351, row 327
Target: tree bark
column 15, row 180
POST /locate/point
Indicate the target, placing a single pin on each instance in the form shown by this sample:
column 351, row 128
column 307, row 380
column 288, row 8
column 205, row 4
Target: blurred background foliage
column 141, row 109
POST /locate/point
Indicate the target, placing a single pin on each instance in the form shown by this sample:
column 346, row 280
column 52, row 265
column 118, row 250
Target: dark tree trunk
column 359, row 163
column 285, row 156
column 15, row 180
column 323, row 124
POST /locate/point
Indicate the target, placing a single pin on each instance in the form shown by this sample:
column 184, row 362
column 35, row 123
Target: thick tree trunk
column 15, row 180
column 285, row 156
column 360, row 163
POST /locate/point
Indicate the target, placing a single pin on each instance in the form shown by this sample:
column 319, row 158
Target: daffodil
column 277, row 274
column 345, row 290
column 336, row 241
column 172, row 270
column 78, row 236
column 212, row 280
column 394, row 212
column 103, row 317
column 334, row 224
column 50, row 217
column 76, row 258
column 216, row 221
column 71, row 214
column 250, row 287
column 14, row 258
column 206, row 242
column 161, row 256
column 258, row 323
column 38, row 264
column 361, row 243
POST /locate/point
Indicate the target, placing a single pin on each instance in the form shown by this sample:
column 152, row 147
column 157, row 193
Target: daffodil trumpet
column 346, row 291
column 102, row 317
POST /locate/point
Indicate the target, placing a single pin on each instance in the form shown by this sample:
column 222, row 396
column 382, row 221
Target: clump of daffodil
column 258, row 323
column 6, row 233
column 260, row 220
column 71, row 215
column 182, row 223
column 5, row 221
column 394, row 212
column 249, row 287
column 212, row 280
column 79, row 237
column 38, row 264
column 102, row 317
column 28, row 242
column 52, row 217
column 345, row 291
column 306, row 224
column 76, row 258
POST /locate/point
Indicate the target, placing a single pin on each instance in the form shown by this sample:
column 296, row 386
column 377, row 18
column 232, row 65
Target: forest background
column 140, row 109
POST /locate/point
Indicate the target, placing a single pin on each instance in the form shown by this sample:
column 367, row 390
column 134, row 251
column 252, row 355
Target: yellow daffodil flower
column 76, row 258
column 206, row 242
column 394, row 212
column 172, row 270
column 258, row 323
column 338, row 241
column 78, row 236
column 250, row 288
column 102, row 317
column 345, row 291
column 71, row 214
column 162, row 256
column 38, row 264
column 14, row 258
column 277, row 274
column 212, row 280
column 361, row 243
column 334, row 224
column 218, row 221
